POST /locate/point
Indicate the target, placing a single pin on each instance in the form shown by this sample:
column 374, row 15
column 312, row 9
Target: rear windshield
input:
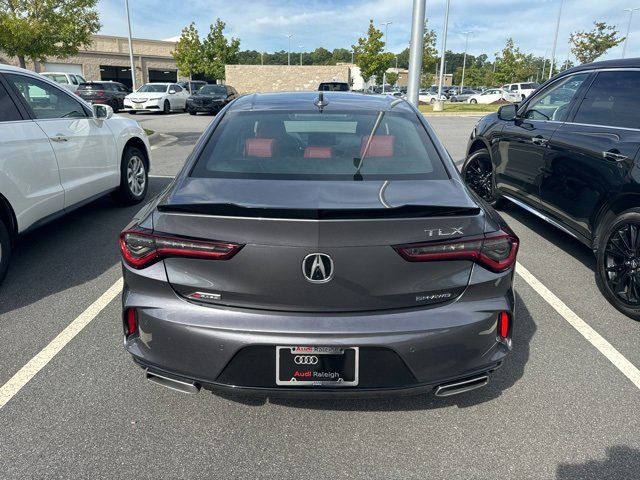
column 91, row 86
column 334, row 87
column 213, row 90
column 320, row 146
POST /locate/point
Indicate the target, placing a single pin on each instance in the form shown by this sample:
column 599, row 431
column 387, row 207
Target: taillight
column 495, row 251
column 141, row 248
column 131, row 321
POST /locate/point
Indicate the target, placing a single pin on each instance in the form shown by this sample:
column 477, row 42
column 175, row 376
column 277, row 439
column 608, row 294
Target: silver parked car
column 318, row 244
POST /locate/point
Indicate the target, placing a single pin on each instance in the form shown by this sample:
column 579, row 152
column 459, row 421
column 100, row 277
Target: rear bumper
column 233, row 350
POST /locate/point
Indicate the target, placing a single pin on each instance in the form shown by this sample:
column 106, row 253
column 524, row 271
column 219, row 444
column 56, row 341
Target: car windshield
column 334, row 87
column 153, row 88
column 213, row 90
column 366, row 145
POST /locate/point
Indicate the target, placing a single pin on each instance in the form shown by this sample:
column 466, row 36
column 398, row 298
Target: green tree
column 341, row 55
column 36, row 29
column 217, row 51
column 188, row 52
column 320, row 56
column 392, row 78
column 370, row 57
column 429, row 52
column 588, row 46
column 512, row 65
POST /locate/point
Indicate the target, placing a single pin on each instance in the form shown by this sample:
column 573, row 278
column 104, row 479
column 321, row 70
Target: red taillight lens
column 504, row 325
column 496, row 251
column 131, row 321
column 141, row 248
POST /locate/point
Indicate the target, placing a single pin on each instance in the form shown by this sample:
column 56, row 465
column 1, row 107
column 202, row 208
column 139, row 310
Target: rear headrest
column 318, row 152
column 259, row 147
column 380, row 146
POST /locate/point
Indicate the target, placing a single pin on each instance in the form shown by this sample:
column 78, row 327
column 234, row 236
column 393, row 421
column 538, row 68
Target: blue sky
column 264, row 24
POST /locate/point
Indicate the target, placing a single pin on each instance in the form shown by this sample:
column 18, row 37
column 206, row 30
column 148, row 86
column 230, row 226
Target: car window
column 74, row 80
column 553, row 102
column 514, row 88
column 612, row 100
column 45, row 100
column 81, row 79
column 153, row 88
column 319, row 146
column 177, row 88
column 58, row 78
column 8, row 110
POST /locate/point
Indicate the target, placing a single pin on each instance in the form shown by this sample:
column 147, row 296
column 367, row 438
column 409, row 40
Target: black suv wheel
column 477, row 173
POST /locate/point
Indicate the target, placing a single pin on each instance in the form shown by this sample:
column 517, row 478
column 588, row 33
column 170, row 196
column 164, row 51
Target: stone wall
column 283, row 78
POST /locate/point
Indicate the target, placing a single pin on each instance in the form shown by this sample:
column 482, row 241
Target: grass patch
column 462, row 108
column 148, row 132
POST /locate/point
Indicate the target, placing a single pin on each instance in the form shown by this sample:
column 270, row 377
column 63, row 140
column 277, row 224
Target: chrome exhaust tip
column 171, row 383
column 461, row 386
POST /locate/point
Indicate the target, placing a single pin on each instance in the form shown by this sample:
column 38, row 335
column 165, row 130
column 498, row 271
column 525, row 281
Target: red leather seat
column 380, row 146
column 259, row 147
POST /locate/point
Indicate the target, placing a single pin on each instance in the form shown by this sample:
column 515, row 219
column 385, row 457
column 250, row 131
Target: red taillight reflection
column 131, row 318
column 141, row 248
column 496, row 251
column 504, row 325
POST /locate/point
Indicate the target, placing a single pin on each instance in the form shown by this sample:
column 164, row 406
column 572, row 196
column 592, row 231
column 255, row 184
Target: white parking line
column 594, row 338
column 162, row 176
column 42, row 358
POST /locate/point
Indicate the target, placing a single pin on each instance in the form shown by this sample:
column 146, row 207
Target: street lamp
column 626, row 39
column 464, row 61
column 416, row 47
column 444, row 49
column 300, row 46
column 289, row 51
column 555, row 40
column 133, row 67
column 386, row 49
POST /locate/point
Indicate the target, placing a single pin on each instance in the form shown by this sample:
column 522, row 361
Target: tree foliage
column 370, row 55
column 429, row 52
column 188, row 51
column 512, row 65
column 392, row 78
column 36, row 29
column 588, row 46
column 217, row 51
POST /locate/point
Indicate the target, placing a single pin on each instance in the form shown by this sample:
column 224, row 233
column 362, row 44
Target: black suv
column 569, row 154
column 107, row 93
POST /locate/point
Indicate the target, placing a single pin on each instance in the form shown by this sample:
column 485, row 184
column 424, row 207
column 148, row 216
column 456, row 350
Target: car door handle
column 59, row 138
column 614, row 156
column 540, row 141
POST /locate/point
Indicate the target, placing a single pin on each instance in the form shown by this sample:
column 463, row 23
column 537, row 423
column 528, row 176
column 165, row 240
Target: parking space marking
column 162, row 176
column 594, row 338
column 42, row 358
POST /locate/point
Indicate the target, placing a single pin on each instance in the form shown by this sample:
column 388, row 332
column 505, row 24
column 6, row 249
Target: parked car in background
column 58, row 153
column 493, row 95
column 463, row 95
column 334, row 86
column 105, row 93
column 192, row 86
column 522, row 90
column 68, row 80
column 252, row 272
column 570, row 154
column 430, row 95
column 210, row 99
column 157, row 97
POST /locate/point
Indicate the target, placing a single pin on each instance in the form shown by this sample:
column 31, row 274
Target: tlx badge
column 439, row 232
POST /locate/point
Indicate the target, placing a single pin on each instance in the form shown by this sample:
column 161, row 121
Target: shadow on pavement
column 622, row 463
column 68, row 252
column 505, row 377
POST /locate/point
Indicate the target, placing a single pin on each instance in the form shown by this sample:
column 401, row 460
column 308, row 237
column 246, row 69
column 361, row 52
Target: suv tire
column 478, row 175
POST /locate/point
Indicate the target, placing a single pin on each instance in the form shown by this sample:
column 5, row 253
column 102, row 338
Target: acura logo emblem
column 305, row 359
column 317, row 267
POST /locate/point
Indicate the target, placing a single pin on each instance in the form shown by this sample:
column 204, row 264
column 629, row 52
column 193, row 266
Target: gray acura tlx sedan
column 318, row 244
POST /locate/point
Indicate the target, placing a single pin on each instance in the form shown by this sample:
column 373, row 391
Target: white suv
column 58, row 153
column 67, row 80
column 522, row 90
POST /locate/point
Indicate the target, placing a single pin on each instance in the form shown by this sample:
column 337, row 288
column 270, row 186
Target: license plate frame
column 327, row 358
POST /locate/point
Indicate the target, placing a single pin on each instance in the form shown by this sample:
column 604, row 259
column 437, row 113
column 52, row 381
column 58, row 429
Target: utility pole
column 133, row 66
column 261, row 58
column 289, row 51
column 386, row 49
column 301, row 46
column 555, row 41
column 444, row 50
column 544, row 64
column 415, row 51
column 464, row 61
column 626, row 38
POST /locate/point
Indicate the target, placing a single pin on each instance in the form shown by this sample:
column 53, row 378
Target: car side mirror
column 171, row 92
column 102, row 112
column 508, row 112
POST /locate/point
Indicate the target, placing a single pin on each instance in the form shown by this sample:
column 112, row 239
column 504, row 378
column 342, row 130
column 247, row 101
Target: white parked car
column 154, row 97
column 493, row 95
column 522, row 90
column 430, row 96
column 57, row 153
column 67, row 80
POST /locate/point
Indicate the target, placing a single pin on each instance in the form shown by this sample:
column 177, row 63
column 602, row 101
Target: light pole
column 626, row 38
column 555, row 41
column 133, row 66
column 386, row 49
column 261, row 58
column 352, row 53
column 415, row 51
column 300, row 46
column 289, row 51
column 444, row 49
column 544, row 63
column 464, row 61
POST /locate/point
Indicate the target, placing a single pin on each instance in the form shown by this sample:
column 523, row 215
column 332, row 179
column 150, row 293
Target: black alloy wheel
column 477, row 173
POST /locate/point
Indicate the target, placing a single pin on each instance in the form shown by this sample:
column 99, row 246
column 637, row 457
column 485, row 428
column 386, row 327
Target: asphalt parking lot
column 564, row 406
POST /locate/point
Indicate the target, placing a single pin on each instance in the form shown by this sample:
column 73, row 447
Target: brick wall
column 282, row 78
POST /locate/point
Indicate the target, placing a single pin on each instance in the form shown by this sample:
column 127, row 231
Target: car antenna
column 320, row 101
